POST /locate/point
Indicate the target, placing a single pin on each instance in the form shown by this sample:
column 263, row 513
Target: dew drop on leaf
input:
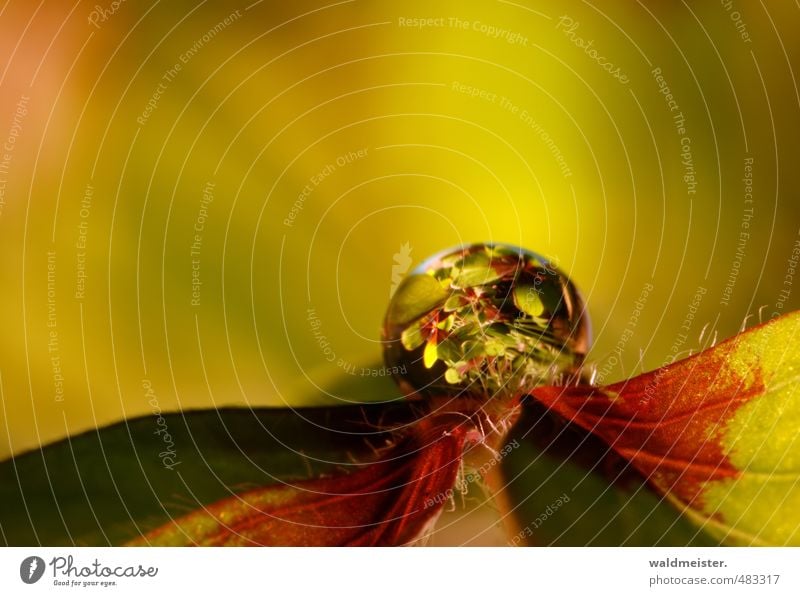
column 484, row 319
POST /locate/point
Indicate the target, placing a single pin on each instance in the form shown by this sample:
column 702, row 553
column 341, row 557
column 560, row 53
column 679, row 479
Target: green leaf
column 446, row 324
column 494, row 348
column 412, row 337
column 415, row 296
column 452, row 376
column 527, row 299
column 108, row 486
column 473, row 349
column 448, row 351
column 430, row 355
column 454, row 302
column 475, row 270
column 717, row 434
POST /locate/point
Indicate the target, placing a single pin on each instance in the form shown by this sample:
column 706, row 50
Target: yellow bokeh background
column 311, row 142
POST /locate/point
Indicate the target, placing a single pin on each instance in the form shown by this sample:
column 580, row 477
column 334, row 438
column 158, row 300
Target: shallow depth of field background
column 227, row 231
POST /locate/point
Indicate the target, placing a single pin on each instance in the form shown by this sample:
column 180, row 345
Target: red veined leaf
column 110, row 485
column 716, row 433
column 392, row 501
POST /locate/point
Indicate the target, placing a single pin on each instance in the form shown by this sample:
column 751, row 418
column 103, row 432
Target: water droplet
column 483, row 320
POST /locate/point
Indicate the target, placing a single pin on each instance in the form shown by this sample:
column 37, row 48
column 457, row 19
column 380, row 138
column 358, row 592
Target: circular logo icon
column 31, row 569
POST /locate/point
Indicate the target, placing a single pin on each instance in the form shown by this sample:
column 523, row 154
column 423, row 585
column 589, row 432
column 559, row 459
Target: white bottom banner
column 400, row 571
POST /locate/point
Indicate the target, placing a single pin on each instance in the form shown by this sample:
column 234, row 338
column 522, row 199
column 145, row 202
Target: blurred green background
column 300, row 154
